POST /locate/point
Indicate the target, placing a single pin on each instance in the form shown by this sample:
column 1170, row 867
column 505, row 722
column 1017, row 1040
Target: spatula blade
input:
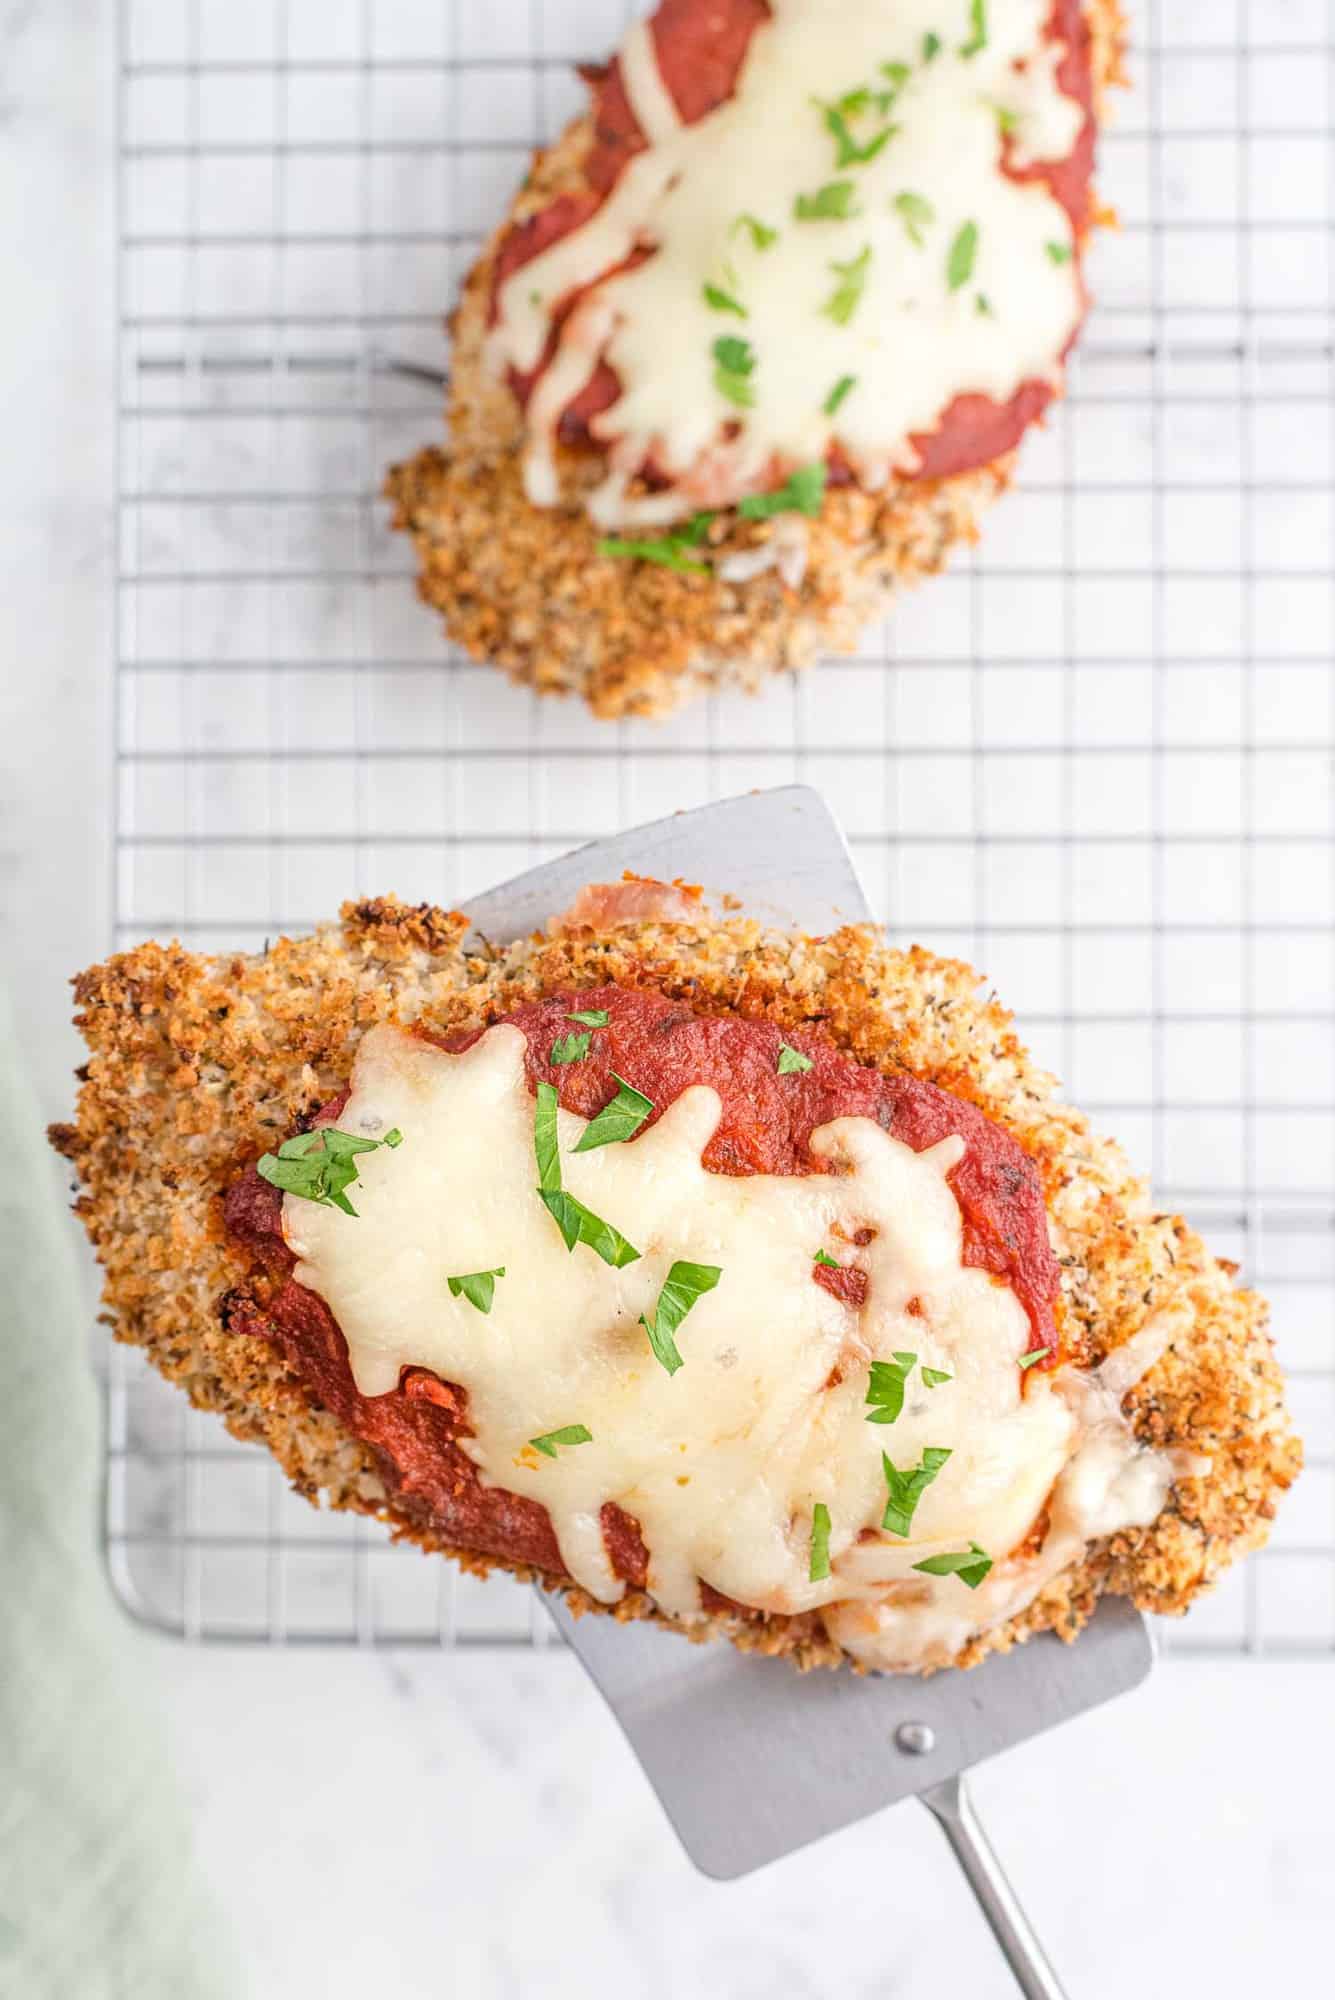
column 781, row 853
column 750, row 1759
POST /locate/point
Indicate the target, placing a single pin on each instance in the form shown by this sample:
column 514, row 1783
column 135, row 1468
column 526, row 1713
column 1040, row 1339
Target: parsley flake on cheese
column 684, row 1284
column 843, row 387
column 545, row 1142
column 569, row 1434
column 905, row 1489
column 885, row 1387
column 963, row 251
column 819, row 1567
column 320, row 1166
column 621, row 1119
column 576, row 1223
column 917, row 212
column 735, row 362
column 970, row 1565
column 977, row 41
column 761, row 234
column 724, row 302
column 835, row 202
column 850, row 152
column 844, row 300
column 478, row 1287
column 579, row 1224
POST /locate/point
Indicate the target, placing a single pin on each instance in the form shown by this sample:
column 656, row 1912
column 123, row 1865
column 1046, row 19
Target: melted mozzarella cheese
column 914, row 339
column 722, row 1462
column 1108, row 1483
column 648, row 96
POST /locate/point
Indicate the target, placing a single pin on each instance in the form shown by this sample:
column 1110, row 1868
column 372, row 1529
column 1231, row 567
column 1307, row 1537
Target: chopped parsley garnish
column 621, row 1119
column 917, row 212
column 885, row 1387
column 569, row 1049
column 478, row 1287
column 684, row 1284
column 735, row 364
column 835, row 202
column 934, row 1377
column 898, row 74
column 545, row 1143
column 1007, row 120
column 724, row 302
column 1060, row 253
column 591, row 1017
column 792, row 1062
column 969, row 1565
column 320, row 1166
column 762, row 236
column 568, row 1434
column 801, row 493
column 576, row 1223
column 978, row 24
column 820, row 1543
column 964, row 249
column 843, row 301
column 848, row 152
column 823, row 1257
column 669, row 550
column 982, row 305
column 931, row 47
column 843, row 387
column 905, row 1489
column 1034, row 1356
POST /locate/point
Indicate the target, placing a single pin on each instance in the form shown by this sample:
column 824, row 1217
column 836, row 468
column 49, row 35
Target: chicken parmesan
column 761, row 335
column 753, row 1283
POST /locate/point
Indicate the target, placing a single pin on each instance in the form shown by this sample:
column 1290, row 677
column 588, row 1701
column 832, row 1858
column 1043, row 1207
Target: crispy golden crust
column 198, row 1065
column 526, row 589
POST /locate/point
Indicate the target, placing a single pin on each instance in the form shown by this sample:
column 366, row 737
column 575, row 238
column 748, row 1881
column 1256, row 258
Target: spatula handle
column 953, row 1808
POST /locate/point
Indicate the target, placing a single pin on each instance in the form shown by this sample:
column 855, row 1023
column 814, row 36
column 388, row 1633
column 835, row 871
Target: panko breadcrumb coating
column 197, row 1065
column 525, row 588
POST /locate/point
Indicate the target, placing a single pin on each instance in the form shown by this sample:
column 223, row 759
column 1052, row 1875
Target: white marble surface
column 427, row 1826
column 479, row 1827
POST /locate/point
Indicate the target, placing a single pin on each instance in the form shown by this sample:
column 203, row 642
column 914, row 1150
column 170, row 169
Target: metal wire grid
column 1095, row 759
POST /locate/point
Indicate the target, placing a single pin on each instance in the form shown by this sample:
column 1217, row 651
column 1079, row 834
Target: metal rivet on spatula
column 916, row 1738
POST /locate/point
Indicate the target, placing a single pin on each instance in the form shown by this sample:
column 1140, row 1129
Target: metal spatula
column 749, row 1759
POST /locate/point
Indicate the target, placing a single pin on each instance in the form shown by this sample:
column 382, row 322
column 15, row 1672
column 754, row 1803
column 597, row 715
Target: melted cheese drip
column 648, row 96
column 722, row 1462
column 911, row 342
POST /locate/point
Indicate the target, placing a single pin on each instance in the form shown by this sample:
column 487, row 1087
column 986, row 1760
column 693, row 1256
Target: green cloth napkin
column 100, row 1898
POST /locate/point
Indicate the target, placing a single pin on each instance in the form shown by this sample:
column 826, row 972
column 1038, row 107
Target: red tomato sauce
column 661, row 1047
column 701, row 46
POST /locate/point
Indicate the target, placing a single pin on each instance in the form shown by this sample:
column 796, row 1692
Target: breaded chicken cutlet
column 754, row 1283
column 759, row 338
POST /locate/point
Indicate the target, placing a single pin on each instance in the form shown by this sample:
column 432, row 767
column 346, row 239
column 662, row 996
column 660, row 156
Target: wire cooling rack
column 1095, row 759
